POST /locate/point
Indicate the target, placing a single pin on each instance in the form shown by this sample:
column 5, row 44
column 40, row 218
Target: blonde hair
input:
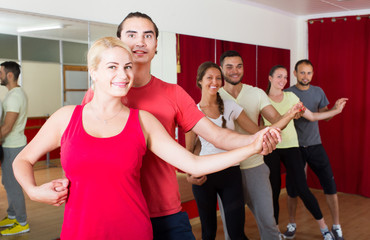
column 99, row 46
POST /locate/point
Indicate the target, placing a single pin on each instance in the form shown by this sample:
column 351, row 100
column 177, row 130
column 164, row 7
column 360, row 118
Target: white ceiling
column 310, row 7
column 76, row 30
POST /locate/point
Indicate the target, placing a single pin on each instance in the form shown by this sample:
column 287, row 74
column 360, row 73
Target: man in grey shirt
column 313, row 152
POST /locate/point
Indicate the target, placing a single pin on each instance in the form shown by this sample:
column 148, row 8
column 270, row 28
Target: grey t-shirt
column 314, row 99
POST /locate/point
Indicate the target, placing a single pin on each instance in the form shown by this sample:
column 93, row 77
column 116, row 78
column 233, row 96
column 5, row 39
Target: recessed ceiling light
column 39, row 28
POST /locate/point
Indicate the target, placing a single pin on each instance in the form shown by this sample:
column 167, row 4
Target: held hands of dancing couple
column 270, row 142
column 56, row 192
column 107, row 91
column 265, row 142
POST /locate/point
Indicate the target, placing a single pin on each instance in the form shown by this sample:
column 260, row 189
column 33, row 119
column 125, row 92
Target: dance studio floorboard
column 45, row 221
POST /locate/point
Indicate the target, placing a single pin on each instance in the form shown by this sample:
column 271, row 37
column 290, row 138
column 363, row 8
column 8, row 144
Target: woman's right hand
column 196, row 180
column 54, row 193
column 266, row 140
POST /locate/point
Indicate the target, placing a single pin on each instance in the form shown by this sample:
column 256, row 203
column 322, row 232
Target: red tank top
column 105, row 199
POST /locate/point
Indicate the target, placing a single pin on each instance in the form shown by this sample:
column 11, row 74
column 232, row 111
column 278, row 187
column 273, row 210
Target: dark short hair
column 137, row 15
column 303, row 61
column 230, row 53
column 13, row 67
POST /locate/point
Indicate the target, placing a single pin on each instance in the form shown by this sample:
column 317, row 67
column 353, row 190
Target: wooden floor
column 45, row 221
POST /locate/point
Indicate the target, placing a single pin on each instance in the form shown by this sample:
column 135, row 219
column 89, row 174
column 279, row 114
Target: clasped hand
column 266, row 140
column 54, row 193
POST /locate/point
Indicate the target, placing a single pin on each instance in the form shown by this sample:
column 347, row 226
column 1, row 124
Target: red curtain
column 339, row 50
column 257, row 60
column 193, row 52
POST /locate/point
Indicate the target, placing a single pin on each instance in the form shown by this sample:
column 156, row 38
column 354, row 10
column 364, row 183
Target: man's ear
column 10, row 75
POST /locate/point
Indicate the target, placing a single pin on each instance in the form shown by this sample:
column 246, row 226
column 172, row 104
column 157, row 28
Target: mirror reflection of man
column 13, row 141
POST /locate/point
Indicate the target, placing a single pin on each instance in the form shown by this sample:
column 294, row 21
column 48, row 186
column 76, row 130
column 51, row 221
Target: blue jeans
column 172, row 227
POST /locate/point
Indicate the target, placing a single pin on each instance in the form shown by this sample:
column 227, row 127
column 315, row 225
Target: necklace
column 108, row 119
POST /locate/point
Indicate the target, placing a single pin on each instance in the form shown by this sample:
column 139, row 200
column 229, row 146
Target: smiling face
column 304, row 74
column 139, row 34
column 113, row 73
column 232, row 70
column 211, row 81
column 279, row 78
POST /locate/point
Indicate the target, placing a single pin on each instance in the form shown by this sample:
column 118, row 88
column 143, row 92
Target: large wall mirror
column 52, row 53
column 47, row 48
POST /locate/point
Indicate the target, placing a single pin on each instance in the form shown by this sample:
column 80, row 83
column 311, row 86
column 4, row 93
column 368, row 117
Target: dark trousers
column 172, row 227
column 317, row 159
column 295, row 177
column 228, row 185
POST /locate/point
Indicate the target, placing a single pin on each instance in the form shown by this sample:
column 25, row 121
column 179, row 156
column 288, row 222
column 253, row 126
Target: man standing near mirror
column 172, row 106
column 13, row 141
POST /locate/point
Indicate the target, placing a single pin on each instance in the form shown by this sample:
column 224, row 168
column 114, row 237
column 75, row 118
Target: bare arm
column 270, row 113
column 281, row 121
column 227, row 139
column 160, row 143
column 190, row 141
column 9, row 120
column 193, row 146
column 247, row 124
column 325, row 113
column 46, row 140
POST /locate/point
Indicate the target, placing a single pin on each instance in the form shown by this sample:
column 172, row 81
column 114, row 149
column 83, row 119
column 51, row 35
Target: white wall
column 164, row 63
column 222, row 19
column 42, row 84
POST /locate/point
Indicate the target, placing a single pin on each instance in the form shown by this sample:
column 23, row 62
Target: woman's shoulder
column 145, row 116
column 231, row 104
column 67, row 109
column 64, row 113
column 232, row 108
column 290, row 95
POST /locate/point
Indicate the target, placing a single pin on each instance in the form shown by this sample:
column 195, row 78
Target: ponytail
column 220, row 103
